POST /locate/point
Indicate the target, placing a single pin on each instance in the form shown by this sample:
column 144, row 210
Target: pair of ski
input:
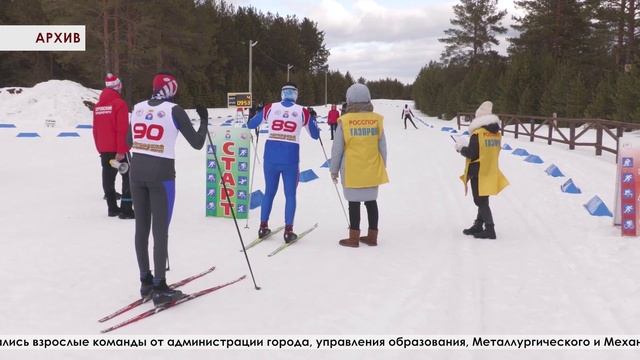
column 283, row 246
column 156, row 310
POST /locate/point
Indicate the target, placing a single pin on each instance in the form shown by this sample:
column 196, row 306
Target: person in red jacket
column 110, row 125
column 332, row 119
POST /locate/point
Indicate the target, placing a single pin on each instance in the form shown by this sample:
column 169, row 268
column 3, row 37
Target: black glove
column 202, row 112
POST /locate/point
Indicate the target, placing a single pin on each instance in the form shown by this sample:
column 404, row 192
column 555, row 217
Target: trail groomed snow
column 554, row 269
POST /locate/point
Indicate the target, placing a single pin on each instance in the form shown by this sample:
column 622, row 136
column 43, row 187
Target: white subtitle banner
column 42, row 38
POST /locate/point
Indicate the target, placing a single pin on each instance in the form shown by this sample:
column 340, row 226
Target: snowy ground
column 554, row 269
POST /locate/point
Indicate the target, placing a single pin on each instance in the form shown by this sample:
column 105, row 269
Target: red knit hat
column 165, row 86
column 112, row 82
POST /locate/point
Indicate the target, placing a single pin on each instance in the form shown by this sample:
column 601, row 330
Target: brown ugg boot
column 353, row 240
column 371, row 239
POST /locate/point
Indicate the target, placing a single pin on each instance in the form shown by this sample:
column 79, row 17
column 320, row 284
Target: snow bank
column 59, row 103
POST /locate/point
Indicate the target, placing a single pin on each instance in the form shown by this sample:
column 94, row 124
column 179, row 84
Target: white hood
column 483, row 121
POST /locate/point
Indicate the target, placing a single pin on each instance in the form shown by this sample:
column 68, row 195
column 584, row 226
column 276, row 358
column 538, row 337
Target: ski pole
column 334, row 184
column 253, row 173
column 255, row 146
column 233, row 213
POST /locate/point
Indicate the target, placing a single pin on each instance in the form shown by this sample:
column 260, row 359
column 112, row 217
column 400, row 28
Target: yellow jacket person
column 482, row 168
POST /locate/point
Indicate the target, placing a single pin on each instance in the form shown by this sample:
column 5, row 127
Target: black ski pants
column 333, row 129
column 109, row 174
column 153, row 201
column 372, row 214
column 482, row 202
column 410, row 119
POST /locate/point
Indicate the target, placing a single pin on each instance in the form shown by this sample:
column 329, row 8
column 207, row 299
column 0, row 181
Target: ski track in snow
column 553, row 269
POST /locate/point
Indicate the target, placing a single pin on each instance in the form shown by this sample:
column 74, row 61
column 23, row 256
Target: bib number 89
column 151, row 132
column 288, row 126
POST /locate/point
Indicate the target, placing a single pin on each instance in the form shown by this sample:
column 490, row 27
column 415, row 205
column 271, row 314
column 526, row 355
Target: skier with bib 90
column 282, row 154
column 155, row 125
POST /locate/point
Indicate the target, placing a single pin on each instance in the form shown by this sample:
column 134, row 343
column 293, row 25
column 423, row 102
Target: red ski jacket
column 332, row 117
column 110, row 123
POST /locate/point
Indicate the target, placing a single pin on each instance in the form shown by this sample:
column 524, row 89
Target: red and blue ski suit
column 282, row 152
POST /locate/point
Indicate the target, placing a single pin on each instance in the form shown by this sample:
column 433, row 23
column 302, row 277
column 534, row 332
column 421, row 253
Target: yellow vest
column 363, row 164
column 490, row 179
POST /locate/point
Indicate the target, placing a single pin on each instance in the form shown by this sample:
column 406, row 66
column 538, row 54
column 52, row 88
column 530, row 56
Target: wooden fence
column 562, row 130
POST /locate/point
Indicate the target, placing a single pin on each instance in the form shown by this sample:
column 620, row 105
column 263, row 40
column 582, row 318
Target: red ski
column 154, row 311
column 144, row 300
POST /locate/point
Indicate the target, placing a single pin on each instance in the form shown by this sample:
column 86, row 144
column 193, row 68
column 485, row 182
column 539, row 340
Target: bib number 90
column 281, row 125
column 151, row 132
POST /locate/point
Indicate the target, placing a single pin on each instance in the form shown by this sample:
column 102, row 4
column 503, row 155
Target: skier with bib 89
column 155, row 125
column 282, row 154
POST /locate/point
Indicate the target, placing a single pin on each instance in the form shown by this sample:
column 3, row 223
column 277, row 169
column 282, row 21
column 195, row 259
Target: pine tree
column 602, row 105
column 577, row 97
column 558, row 27
column 477, row 22
column 626, row 97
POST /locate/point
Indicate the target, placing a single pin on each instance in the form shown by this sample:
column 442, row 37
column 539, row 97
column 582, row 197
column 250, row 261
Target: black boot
column 164, row 295
column 289, row 235
column 112, row 205
column 264, row 230
column 118, row 196
column 126, row 211
column 488, row 232
column 146, row 285
column 476, row 228
column 127, row 215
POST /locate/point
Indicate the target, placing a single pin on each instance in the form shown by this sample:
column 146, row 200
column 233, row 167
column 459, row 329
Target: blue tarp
column 84, row 126
column 326, row 164
column 520, row 152
column 535, row 159
column 308, row 175
column 446, row 128
column 554, row 171
column 570, row 187
column 256, row 199
column 6, row 126
column 506, row 147
column 597, row 207
column 28, row 135
column 68, row 134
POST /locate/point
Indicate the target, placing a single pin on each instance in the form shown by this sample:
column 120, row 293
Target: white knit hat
column 358, row 93
column 486, row 108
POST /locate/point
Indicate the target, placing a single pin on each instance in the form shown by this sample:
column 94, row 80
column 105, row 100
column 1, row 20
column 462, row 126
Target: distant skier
column 282, row 154
column 110, row 123
column 407, row 114
column 359, row 154
column 155, row 125
column 332, row 119
column 482, row 169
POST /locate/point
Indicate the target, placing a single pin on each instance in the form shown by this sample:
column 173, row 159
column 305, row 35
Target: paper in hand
column 461, row 140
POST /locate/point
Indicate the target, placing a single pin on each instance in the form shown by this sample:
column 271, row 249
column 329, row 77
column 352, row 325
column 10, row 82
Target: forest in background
column 574, row 58
column 204, row 42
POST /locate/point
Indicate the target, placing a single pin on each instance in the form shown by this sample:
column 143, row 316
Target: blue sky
column 377, row 38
